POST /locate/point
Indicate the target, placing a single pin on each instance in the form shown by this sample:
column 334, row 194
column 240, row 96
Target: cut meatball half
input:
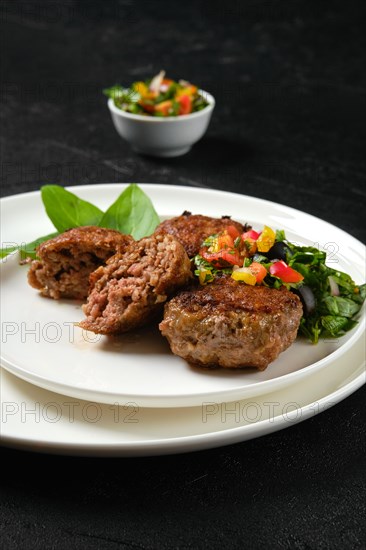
column 192, row 229
column 230, row 324
column 133, row 286
column 66, row 261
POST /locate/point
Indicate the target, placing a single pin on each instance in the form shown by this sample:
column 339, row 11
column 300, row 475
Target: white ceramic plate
column 41, row 345
column 38, row 420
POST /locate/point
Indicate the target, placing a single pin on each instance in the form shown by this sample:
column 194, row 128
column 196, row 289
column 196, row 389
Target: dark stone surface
column 289, row 126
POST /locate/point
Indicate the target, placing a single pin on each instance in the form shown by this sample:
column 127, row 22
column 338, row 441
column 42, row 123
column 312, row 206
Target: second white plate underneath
column 38, row 420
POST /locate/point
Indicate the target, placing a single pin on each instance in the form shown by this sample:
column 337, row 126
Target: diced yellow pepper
column 245, row 276
column 266, row 239
column 205, row 276
column 188, row 90
column 141, row 88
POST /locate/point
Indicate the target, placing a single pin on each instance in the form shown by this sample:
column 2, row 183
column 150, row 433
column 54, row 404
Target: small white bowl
column 162, row 137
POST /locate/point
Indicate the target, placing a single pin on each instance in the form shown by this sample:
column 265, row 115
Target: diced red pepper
column 250, row 235
column 249, row 238
column 284, row 272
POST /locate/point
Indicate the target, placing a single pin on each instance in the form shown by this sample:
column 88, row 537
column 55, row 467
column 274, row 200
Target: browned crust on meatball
column 230, row 324
column 66, row 261
column 133, row 286
column 192, row 229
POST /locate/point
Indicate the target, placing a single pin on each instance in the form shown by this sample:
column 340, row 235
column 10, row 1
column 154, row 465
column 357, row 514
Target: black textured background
column 289, row 126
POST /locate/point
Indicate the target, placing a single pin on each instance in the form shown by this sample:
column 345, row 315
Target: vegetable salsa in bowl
column 160, row 117
column 158, row 97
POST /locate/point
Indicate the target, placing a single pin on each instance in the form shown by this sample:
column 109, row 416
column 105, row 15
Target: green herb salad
column 330, row 298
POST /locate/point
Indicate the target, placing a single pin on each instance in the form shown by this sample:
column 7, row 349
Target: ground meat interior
column 66, row 261
column 133, row 286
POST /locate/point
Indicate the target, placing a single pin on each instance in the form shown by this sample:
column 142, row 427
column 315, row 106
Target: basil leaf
column 132, row 213
column 26, row 250
column 66, row 210
column 29, row 250
column 6, row 250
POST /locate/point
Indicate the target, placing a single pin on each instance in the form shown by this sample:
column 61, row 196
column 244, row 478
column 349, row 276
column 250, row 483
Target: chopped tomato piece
column 222, row 258
column 251, row 246
column 148, row 107
column 164, row 107
column 222, row 252
column 225, row 241
column 249, row 239
column 185, row 104
column 258, row 270
column 233, row 232
column 166, row 82
column 284, row 272
column 165, row 85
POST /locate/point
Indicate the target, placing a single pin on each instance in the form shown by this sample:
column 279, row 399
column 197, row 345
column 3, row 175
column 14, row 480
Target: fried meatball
column 231, row 324
column 192, row 229
column 66, row 261
column 133, row 286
